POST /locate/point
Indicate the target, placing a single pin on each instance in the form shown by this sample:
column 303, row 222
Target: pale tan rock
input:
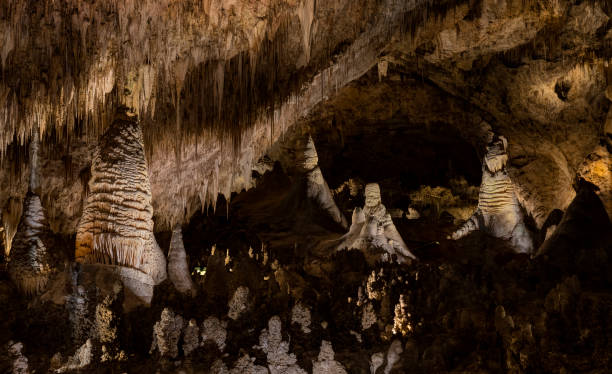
column 373, row 228
column 117, row 227
column 178, row 269
column 325, row 363
column 30, row 262
column 498, row 212
column 239, row 303
column 166, row 334
column 280, row 361
column 214, row 330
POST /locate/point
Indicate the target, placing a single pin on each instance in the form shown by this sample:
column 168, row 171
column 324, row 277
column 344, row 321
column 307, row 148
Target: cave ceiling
column 217, row 85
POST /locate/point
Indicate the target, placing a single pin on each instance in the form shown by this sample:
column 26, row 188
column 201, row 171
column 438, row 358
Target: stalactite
column 11, row 214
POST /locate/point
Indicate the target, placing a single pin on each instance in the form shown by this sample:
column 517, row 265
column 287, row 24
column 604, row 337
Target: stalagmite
column 10, row 220
column 372, row 228
column 166, row 334
column 317, row 189
column 498, row 212
column 325, row 363
column 30, row 263
column 178, row 270
column 277, row 350
column 116, row 227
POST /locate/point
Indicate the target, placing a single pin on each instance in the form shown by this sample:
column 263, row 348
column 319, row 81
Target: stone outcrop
column 498, row 212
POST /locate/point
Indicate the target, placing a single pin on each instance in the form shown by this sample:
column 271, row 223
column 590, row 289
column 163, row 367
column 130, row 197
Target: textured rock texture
column 117, row 227
column 325, row 362
column 178, row 269
column 372, row 229
column 277, row 350
column 498, row 212
column 317, row 189
column 31, row 262
column 166, row 334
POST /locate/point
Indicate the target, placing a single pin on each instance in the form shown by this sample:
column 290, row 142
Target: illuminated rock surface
column 123, row 121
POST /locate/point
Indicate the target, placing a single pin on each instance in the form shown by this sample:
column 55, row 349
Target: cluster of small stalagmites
column 116, row 227
column 172, row 330
column 166, row 334
column 373, row 228
column 178, row 269
column 498, row 213
column 277, row 350
column 317, row 189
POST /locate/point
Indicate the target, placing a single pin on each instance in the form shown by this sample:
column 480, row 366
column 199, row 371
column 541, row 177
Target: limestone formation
column 372, row 229
column 325, row 363
column 402, row 323
column 301, row 315
column 498, row 213
column 11, row 215
column 166, row 334
column 277, row 350
column 239, row 303
column 376, row 361
column 116, row 227
column 317, row 189
column 30, row 265
column 246, row 365
column 368, row 316
column 214, row 330
column 81, row 359
column 393, row 355
column 178, row 269
column 18, row 362
column 191, row 337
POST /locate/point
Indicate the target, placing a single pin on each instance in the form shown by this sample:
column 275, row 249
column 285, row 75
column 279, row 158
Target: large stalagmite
column 372, row 228
column 117, row 227
column 317, row 189
column 30, row 263
column 178, row 270
column 498, row 212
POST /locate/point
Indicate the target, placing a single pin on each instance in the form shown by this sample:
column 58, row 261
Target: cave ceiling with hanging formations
column 306, row 186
